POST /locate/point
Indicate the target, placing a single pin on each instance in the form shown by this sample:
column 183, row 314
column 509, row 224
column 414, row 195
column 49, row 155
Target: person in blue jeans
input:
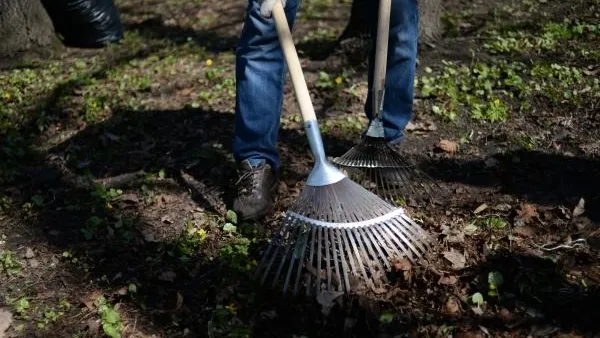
column 260, row 71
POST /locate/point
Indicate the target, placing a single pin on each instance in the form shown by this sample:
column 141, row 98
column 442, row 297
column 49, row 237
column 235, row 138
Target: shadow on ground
column 542, row 178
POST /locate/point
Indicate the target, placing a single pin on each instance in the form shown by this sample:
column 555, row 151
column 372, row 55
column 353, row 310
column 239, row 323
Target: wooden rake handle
column 289, row 50
column 381, row 52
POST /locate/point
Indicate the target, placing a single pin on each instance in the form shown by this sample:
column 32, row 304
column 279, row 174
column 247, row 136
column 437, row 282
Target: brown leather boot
column 254, row 191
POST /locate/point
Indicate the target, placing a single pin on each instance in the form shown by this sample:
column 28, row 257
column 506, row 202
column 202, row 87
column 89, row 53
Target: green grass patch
column 549, row 36
column 491, row 92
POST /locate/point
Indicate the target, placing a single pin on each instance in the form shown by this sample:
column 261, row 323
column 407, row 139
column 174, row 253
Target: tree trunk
column 430, row 25
column 24, row 26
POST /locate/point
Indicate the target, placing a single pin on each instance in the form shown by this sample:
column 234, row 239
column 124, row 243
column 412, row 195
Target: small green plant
column 110, row 318
column 105, row 195
column 526, row 142
column 493, row 111
column 9, row 263
column 495, row 280
column 191, row 239
column 51, row 315
column 5, row 203
column 37, row 200
column 386, row 318
column 93, row 106
column 477, row 299
column 21, row 306
column 494, row 223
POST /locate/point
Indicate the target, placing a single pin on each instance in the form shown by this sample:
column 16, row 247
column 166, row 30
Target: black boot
column 254, row 191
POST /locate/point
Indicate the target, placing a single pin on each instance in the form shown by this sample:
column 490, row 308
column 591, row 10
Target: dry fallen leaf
column 526, row 213
column 579, row 208
column 405, row 266
column 480, row 208
column 448, row 280
column 525, row 231
column 421, row 126
column 179, row 301
column 457, row 259
column 90, row 299
column 502, row 207
column 506, row 315
column 591, row 72
column 5, row 321
column 448, row 146
column 326, row 299
column 93, row 325
column 452, row 306
column 29, row 254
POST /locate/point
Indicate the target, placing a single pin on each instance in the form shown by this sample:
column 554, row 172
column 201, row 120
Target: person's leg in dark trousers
column 260, row 70
column 401, row 67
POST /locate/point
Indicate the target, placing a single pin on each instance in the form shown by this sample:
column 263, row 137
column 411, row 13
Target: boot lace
column 248, row 182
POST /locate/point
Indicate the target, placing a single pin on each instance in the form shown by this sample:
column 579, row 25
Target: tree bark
column 430, row 25
column 24, row 26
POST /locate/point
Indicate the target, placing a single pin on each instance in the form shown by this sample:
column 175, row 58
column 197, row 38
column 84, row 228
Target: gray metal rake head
column 377, row 166
column 345, row 243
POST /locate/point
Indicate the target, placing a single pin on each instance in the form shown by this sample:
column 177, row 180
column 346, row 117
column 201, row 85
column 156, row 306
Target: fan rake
column 337, row 236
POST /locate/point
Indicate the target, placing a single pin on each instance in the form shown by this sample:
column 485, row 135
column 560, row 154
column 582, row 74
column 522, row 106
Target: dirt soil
column 116, row 174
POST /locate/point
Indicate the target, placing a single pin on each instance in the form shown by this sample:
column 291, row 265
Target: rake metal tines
column 319, row 249
column 378, row 167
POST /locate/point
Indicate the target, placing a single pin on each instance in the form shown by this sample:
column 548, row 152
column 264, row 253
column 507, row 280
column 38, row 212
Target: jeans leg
column 260, row 70
column 401, row 65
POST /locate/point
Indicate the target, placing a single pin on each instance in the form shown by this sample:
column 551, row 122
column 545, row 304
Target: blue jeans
column 260, row 70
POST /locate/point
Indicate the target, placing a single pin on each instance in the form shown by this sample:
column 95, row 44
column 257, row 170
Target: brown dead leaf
column 506, row 315
column 448, row 280
column 421, row 126
column 448, row 146
column 186, row 91
column 93, row 325
column 90, row 299
column 129, row 198
column 327, row 300
column 480, row 208
column 457, row 259
column 579, row 208
column 405, row 266
column 6, row 319
column 122, row 291
column 452, row 306
column 525, row 231
column 179, row 301
column 591, row 72
column 526, row 213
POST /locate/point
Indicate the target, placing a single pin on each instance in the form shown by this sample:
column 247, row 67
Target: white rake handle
column 381, row 52
column 289, row 50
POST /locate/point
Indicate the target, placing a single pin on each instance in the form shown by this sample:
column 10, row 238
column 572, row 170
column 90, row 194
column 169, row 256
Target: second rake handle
column 381, row 53
column 295, row 69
